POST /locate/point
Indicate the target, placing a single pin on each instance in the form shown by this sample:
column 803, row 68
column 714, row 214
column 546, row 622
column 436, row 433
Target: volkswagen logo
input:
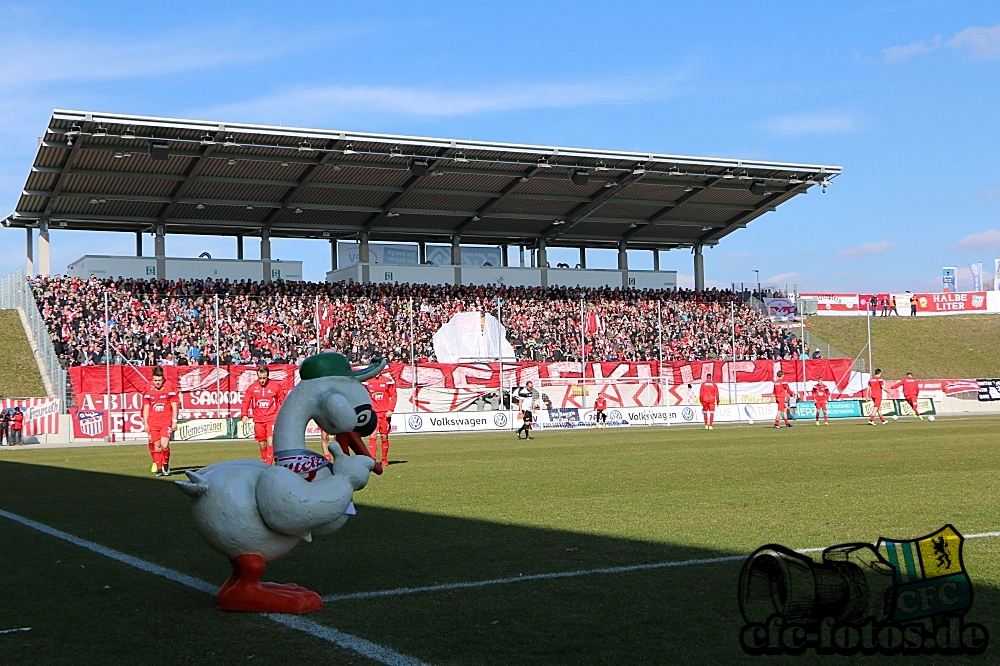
column 500, row 419
column 415, row 422
column 687, row 414
column 615, row 416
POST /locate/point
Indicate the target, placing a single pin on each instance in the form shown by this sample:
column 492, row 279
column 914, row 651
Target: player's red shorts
column 158, row 431
column 708, row 406
column 261, row 431
column 912, row 399
column 383, row 425
column 821, row 405
column 782, row 405
column 878, row 403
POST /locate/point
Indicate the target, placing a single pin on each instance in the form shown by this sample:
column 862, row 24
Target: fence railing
column 15, row 294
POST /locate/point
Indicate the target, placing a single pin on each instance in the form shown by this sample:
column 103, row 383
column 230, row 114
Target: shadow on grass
column 677, row 615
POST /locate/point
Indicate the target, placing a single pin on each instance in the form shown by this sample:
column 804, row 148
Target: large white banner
column 780, row 309
column 455, row 421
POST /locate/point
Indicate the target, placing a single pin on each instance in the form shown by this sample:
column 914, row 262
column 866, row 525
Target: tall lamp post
column 758, row 282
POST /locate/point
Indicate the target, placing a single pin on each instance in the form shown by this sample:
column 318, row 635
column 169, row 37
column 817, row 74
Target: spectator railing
column 16, row 294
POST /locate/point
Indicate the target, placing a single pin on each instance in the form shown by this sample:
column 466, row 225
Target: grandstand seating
column 175, row 322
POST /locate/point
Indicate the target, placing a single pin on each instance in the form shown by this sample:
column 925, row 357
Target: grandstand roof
column 114, row 172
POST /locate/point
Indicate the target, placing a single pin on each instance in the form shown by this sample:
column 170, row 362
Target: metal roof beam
column 67, row 167
column 585, row 210
column 411, row 182
column 741, row 220
column 182, row 187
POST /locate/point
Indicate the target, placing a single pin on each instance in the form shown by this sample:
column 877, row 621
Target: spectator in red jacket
column 16, row 427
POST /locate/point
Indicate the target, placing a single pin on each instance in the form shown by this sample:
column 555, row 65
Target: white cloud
column 866, row 250
column 302, row 105
column 781, row 279
column 34, row 57
column 895, row 54
column 984, row 240
column 829, row 123
column 979, row 43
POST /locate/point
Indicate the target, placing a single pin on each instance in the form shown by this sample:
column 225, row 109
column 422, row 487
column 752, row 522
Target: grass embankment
column 19, row 377
column 959, row 346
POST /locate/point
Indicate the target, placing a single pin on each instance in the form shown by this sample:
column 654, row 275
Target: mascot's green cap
column 332, row 364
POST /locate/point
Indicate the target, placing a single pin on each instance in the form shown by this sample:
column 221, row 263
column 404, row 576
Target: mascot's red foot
column 244, row 591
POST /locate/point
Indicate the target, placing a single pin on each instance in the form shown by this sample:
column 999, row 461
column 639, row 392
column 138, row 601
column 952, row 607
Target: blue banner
column 836, row 409
column 948, row 283
column 977, row 276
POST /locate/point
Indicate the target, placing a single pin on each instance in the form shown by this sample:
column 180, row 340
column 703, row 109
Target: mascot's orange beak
column 351, row 441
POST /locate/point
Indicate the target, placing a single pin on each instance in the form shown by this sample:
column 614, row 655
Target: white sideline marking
column 401, row 591
column 363, row 647
column 11, row 631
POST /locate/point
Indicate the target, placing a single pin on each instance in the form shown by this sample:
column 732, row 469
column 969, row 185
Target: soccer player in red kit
column 876, row 385
column 911, row 389
column 261, row 402
column 382, row 390
column 709, row 395
column 159, row 418
column 782, row 392
column 821, row 393
column 600, row 418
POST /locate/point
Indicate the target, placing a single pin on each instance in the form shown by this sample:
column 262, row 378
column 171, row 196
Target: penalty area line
column 445, row 587
column 363, row 647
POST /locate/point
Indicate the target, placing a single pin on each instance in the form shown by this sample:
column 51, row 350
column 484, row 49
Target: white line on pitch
column 363, row 647
column 444, row 587
column 12, row 631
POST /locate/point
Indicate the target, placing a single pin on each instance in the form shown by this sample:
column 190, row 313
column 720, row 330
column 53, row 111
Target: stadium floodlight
column 579, row 177
column 230, row 141
column 232, row 161
column 298, row 211
column 73, row 130
column 435, row 174
column 744, row 175
column 336, row 167
column 524, row 179
column 349, row 149
column 284, row 164
column 688, row 188
column 674, row 171
column 93, row 201
column 126, row 154
column 69, row 141
column 249, row 207
column 392, row 213
column 557, row 223
column 610, row 183
column 758, row 187
column 475, row 218
column 395, row 151
column 794, row 179
column 601, row 166
column 304, row 146
column 101, row 131
column 207, row 139
column 128, row 134
column 639, row 169
column 706, row 227
column 728, row 175
column 119, row 154
column 200, row 206
column 419, row 167
column 460, row 157
column 543, row 163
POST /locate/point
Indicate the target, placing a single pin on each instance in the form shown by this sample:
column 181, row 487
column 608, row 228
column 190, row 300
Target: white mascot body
column 254, row 513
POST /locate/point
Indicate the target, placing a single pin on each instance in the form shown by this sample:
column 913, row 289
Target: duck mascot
column 254, row 513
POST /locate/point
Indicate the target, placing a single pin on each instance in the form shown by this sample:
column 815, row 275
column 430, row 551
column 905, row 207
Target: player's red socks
column 711, row 418
column 158, row 459
column 165, row 456
column 152, row 449
column 373, row 447
column 385, row 451
column 267, row 454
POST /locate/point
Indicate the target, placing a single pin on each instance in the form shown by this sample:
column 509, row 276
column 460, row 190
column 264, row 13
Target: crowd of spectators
column 164, row 322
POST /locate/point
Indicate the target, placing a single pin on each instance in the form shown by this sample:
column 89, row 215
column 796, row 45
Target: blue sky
column 904, row 95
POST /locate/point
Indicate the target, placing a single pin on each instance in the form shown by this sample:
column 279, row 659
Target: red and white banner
column 207, row 392
column 962, row 301
column 834, row 302
column 41, row 415
column 780, row 309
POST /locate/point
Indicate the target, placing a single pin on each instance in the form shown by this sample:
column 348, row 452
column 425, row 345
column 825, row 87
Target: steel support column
column 543, row 261
column 363, row 257
column 623, row 261
column 239, row 248
column 160, row 252
column 333, row 254
column 456, row 257
column 265, row 252
column 29, row 254
column 43, row 248
column 583, row 257
column 699, row 269
column 656, row 259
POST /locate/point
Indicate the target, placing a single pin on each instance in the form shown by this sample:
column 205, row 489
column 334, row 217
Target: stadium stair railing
column 16, row 294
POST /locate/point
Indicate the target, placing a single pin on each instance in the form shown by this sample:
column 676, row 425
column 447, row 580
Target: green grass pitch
column 463, row 508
